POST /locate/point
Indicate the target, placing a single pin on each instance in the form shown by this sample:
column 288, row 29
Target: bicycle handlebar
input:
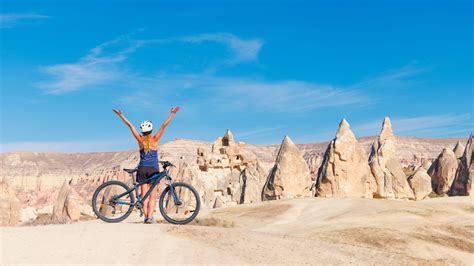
column 167, row 164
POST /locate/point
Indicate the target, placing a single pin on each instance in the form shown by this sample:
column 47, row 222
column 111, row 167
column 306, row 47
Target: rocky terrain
column 56, row 187
column 317, row 231
column 372, row 200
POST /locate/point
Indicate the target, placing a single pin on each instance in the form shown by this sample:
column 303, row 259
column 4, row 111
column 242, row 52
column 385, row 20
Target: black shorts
column 146, row 172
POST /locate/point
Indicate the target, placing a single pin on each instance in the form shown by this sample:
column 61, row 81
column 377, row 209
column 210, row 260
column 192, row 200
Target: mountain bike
column 114, row 201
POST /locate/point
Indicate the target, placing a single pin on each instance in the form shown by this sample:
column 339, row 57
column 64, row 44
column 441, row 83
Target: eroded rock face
column 229, row 174
column 290, row 176
column 386, row 167
column 462, row 184
column 443, row 171
column 59, row 212
column 314, row 162
column 420, row 183
column 459, row 150
column 10, row 209
column 225, row 154
column 345, row 171
column 73, row 205
column 69, row 206
column 252, row 180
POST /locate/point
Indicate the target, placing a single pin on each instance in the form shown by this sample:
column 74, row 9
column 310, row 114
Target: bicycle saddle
column 130, row 171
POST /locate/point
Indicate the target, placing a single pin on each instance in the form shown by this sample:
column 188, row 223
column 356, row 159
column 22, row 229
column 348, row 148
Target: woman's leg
column 152, row 202
column 144, row 188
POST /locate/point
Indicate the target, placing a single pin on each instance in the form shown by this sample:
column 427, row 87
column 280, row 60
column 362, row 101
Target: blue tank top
column 149, row 159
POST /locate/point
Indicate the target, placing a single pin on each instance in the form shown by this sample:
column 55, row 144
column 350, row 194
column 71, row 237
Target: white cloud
column 435, row 125
column 10, row 20
column 102, row 64
column 98, row 67
column 285, row 96
column 237, row 93
column 243, row 50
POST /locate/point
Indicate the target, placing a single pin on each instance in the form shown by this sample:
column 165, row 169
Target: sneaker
column 146, row 221
column 152, row 220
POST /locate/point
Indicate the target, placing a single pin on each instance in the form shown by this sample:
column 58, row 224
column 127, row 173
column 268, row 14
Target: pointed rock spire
column 286, row 145
column 228, row 138
column 344, row 131
column 386, row 168
column 459, row 149
column 289, row 176
column 387, row 131
column 462, row 184
column 344, row 171
column 443, row 171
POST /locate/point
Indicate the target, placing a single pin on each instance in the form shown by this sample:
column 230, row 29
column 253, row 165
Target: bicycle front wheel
column 179, row 203
column 113, row 201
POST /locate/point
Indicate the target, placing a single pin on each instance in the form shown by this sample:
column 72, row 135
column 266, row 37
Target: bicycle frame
column 156, row 178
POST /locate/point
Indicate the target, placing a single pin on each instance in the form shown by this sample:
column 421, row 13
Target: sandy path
column 98, row 242
column 304, row 231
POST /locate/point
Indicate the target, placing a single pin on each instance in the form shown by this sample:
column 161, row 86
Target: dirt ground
column 300, row 231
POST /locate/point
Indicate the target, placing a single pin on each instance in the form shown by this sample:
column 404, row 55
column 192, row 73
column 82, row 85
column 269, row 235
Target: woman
column 148, row 164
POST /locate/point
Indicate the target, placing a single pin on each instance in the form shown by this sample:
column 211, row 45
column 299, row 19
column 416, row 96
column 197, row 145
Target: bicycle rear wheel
column 185, row 209
column 112, row 202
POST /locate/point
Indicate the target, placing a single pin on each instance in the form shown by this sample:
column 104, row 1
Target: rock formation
column 69, row 206
column 225, row 153
column 314, row 162
column 10, row 209
column 228, row 174
column 43, row 171
column 443, row 171
column 459, row 150
column 218, row 203
column 36, row 178
column 462, row 184
column 105, row 208
column 420, row 183
column 386, row 168
column 251, row 181
column 345, row 171
column 289, row 176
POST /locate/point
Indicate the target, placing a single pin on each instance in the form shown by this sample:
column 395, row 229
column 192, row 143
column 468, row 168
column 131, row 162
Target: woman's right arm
column 132, row 128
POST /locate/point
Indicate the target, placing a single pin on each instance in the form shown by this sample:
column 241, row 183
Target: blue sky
column 263, row 69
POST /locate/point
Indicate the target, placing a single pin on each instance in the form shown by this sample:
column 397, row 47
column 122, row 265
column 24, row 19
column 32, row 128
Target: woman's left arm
column 158, row 134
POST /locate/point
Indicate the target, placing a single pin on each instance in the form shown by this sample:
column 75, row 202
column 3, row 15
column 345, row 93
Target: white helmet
column 146, row 126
